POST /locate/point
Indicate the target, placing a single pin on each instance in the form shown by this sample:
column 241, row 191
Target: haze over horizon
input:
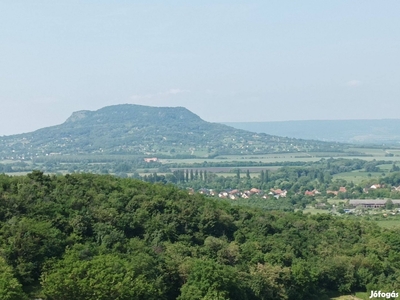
column 224, row 61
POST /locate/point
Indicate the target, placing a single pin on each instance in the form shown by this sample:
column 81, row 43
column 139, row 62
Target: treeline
column 125, row 164
column 13, row 167
column 84, row 236
column 295, row 179
column 235, row 164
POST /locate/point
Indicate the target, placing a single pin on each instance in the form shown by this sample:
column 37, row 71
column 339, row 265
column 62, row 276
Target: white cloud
column 354, row 83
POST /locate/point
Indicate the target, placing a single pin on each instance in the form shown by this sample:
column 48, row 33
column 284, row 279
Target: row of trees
column 318, row 175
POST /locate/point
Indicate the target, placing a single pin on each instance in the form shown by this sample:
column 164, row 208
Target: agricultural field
column 266, row 158
column 368, row 154
column 357, row 176
column 223, row 165
column 389, row 223
column 385, row 167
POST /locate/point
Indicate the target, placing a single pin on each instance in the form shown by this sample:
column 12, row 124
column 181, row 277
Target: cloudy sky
column 224, row 60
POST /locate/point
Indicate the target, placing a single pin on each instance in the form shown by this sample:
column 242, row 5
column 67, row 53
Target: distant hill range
column 149, row 131
column 345, row 131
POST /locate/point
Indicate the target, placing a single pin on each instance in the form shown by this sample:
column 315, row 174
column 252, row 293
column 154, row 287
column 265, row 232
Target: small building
column 151, row 159
column 245, row 196
column 255, row 191
column 223, row 195
column 396, row 188
column 316, row 192
column 204, row 191
column 277, row 193
column 371, row 203
column 375, row 186
column 309, row 193
column 342, row 189
column 234, row 192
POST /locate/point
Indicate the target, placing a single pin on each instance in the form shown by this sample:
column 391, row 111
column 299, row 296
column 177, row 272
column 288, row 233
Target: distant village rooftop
column 150, row 159
column 372, row 203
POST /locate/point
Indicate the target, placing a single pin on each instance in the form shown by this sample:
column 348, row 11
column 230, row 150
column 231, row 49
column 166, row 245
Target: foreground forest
column 85, row 236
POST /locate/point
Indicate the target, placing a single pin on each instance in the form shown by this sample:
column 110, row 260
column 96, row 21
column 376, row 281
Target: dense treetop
column 84, row 236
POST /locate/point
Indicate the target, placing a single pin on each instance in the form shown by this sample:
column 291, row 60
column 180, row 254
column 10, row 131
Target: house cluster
column 315, row 192
column 342, row 189
column 209, row 192
column 373, row 187
column 277, row 193
column 380, row 186
column 312, row 193
column 235, row 194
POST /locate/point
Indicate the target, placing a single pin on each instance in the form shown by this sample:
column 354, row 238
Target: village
column 327, row 200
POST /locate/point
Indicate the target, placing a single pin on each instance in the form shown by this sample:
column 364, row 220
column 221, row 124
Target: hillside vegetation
column 84, row 236
column 147, row 131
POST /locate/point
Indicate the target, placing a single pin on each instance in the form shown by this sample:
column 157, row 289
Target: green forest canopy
column 85, row 236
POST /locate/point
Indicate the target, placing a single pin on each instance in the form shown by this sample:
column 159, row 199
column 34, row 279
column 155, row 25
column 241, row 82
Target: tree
column 266, row 281
column 102, row 277
column 389, row 204
column 10, row 288
column 27, row 243
column 262, row 178
column 212, row 281
column 238, row 174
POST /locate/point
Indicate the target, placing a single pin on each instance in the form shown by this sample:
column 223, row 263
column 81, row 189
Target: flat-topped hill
column 145, row 130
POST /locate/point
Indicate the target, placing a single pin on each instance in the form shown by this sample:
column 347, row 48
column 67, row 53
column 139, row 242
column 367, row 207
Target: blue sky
column 224, row 60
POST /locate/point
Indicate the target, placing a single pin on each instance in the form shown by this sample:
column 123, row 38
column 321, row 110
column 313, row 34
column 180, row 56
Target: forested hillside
column 84, row 236
column 147, row 131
